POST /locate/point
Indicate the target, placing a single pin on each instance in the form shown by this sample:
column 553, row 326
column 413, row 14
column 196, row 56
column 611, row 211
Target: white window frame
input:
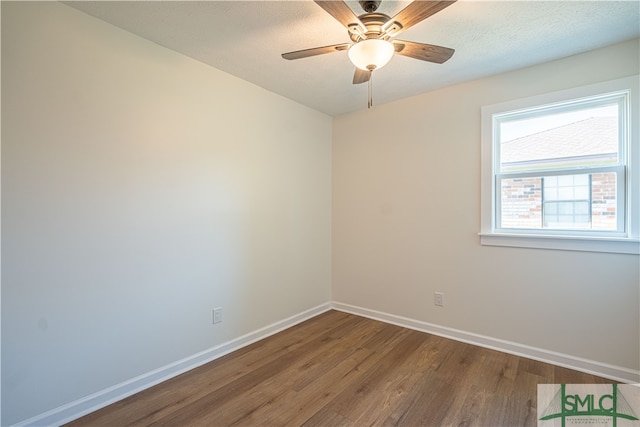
column 627, row 241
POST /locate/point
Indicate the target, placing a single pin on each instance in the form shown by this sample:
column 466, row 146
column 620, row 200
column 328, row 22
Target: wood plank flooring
column 339, row 369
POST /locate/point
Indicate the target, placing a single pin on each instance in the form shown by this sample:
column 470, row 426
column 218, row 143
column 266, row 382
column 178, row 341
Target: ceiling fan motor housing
column 373, row 22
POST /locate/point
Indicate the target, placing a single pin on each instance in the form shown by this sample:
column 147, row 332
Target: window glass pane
column 582, row 208
column 565, row 208
column 566, row 181
column 565, row 193
column 545, row 140
column 551, row 193
column 580, row 180
column 581, row 192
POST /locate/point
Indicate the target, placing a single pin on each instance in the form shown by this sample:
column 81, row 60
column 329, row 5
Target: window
column 560, row 171
column 566, row 202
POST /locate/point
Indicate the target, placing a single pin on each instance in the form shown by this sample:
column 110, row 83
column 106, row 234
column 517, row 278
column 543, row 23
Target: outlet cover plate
column 438, row 299
column 217, row 315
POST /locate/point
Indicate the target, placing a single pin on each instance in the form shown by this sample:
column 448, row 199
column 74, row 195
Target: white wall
column 406, row 217
column 140, row 189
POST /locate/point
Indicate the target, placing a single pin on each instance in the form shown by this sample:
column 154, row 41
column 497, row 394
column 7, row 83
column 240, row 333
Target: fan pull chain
column 370, row 100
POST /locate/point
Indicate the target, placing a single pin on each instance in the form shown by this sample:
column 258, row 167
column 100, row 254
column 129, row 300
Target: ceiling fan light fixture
column 371, row 54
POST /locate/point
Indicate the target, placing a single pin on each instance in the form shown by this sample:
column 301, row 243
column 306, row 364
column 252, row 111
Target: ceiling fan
column 372, row 34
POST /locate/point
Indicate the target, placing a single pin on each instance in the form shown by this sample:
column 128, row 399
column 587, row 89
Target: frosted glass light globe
column 371, row 54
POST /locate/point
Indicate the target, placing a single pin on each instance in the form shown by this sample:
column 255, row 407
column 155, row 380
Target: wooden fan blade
column 342, row 13
column 361, row 76
column 423, row 51
column 418, row 11
column 315, row 51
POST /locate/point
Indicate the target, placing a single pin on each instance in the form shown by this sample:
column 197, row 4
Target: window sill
column 563, row 243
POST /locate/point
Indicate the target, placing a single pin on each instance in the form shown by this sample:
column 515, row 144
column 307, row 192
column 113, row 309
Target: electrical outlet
column 438, row 299
column 217, row 315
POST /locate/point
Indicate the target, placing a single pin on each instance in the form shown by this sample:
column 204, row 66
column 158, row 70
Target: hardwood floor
column 339, row 369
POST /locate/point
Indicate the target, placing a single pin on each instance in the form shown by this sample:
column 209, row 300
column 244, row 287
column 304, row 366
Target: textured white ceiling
column 246, row 38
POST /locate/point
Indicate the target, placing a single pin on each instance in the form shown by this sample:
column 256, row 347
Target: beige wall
column 140, row 189
column 406, row 217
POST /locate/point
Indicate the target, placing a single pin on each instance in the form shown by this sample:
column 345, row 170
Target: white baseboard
column 93, row 402
column 604, row 370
